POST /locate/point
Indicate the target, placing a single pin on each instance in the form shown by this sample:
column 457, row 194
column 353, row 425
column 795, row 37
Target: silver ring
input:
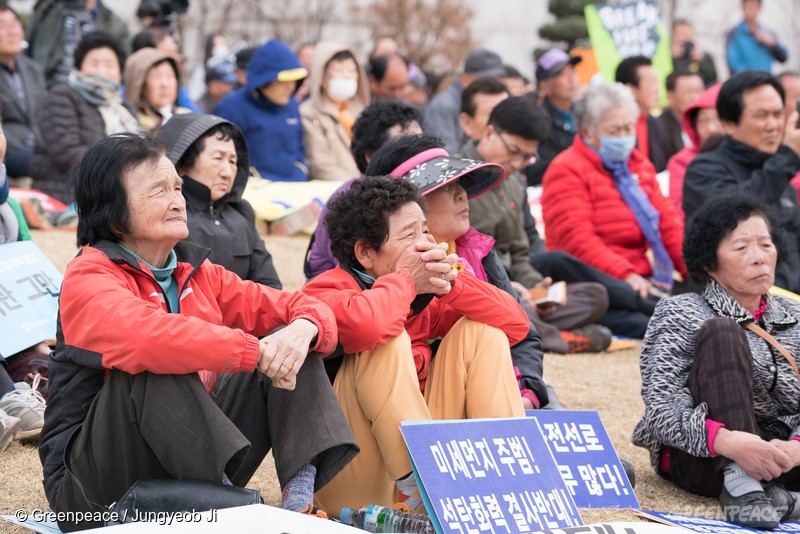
column 442, row 276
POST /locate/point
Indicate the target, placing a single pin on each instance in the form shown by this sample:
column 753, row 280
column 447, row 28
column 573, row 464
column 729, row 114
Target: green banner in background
column 629, row 29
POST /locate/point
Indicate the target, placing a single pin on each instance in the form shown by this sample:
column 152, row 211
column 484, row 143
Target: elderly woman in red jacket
column 158, row 371
column 601, row 201
column 395, row 293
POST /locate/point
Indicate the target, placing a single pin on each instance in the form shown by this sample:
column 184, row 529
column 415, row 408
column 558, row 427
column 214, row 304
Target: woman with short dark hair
column 79, row 113
column 719, row 381
column 159, row 372
column 393, row 291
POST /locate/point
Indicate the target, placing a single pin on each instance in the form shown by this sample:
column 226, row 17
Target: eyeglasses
column 514, row 151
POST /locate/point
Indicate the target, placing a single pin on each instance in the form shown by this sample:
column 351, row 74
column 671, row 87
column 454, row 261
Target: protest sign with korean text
column 489, row 474
column 626, row 29
column 29, row 290
column 586, row 458
column 715, row 526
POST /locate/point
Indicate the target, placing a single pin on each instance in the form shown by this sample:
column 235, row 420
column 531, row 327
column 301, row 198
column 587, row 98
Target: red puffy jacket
column 368, row 318
column 585, row 215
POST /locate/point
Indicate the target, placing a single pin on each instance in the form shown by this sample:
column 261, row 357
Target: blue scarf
column 3, row 184
column 647, row 217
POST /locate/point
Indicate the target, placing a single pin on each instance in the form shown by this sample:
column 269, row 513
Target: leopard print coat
column 671, row 417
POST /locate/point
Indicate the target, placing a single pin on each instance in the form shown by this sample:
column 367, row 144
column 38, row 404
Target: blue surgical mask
column 616, row 148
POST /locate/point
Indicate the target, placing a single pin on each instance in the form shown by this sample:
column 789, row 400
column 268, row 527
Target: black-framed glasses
column 514, row 151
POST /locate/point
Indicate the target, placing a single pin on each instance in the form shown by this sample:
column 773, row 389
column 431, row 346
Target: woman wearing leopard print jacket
column 722, row 403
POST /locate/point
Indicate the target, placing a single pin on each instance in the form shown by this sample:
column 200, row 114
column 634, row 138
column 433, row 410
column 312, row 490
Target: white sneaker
column 8, row 427
column 26, row 404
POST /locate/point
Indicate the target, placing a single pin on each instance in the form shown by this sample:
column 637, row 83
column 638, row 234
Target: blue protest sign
column 617, row 527
column 586, row 458
column 715, row 526
column 489, row 474
column 29, row 290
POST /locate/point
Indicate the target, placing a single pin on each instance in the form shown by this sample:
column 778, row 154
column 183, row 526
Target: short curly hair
column 362, row 212
column 371, row 129
column 714, row 221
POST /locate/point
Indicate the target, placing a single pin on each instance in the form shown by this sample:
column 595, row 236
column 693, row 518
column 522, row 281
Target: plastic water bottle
column 375, row 518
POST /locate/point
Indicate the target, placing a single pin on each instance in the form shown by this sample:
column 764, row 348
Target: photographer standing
column 57, row 26
column 687, row 56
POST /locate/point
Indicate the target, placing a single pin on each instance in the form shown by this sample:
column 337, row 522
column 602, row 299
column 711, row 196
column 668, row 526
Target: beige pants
column 471, row 377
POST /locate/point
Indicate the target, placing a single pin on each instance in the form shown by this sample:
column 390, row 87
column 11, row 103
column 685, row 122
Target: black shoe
column 753, row 510
column 629, row 471
column 782, row 499
column 588, row 338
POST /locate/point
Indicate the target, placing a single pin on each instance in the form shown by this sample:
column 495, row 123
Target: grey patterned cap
column 434, row 168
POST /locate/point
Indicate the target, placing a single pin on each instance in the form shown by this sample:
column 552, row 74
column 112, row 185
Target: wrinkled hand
column 760, row 459
column 282, row 354
column 430, row 266
column 790, row 448
column 640, row 284
column 791, row 134
column 524, row 294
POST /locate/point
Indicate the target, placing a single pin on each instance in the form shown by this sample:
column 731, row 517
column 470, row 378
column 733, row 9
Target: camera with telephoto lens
column 162, row 11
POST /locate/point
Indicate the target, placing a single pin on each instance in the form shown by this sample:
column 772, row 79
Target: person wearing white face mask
column 339, row 90
column 601, row 201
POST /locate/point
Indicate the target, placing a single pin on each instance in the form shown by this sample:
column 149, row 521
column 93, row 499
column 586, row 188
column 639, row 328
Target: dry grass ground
column 607, row 383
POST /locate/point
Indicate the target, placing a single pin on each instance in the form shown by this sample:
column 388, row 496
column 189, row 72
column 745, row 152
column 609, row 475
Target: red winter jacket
column 117, row 312
column 585, row 215
column 368, row 318
column 677, row 164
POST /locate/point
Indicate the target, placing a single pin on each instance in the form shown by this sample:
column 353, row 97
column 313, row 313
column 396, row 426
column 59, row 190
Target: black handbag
column 153, row 500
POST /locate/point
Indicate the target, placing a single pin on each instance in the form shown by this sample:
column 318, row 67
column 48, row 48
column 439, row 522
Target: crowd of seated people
column 434, row 233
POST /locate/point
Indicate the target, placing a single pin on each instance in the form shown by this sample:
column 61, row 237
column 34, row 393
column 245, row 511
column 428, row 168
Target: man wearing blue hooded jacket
column 267, row 112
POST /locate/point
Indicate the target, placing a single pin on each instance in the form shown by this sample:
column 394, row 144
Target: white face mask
column 219, row 51
column 341, row 89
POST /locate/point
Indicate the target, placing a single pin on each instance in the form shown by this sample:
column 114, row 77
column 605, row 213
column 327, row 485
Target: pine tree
column 570, row 25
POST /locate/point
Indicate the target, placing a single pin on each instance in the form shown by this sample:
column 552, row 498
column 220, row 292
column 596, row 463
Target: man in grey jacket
column 21, row 89
column 441, row 115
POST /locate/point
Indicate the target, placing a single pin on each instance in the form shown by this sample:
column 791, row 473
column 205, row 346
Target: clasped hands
column 429, row 264
column 761, row 459
column 282, row 353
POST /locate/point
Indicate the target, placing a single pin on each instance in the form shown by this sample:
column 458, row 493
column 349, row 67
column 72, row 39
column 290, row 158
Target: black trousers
column 627, row 315
column 722, row 377
column 150, row 426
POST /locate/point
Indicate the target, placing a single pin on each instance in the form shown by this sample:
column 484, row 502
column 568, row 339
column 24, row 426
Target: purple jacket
column 319, row 257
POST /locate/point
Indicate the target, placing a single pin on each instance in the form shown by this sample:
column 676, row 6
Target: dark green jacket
column 499, row 213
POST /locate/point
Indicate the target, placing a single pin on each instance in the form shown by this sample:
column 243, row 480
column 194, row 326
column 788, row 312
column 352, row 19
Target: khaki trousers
column 470, row 377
